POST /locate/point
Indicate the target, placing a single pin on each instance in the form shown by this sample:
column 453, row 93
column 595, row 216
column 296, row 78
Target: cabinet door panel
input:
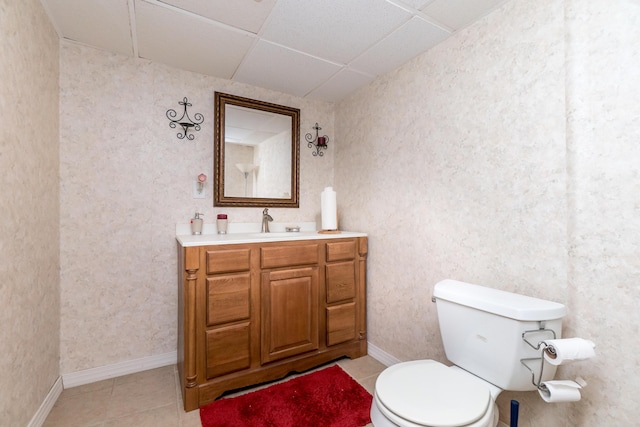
column 341, row 323
column 341, row 281
column 290, row 313
column 228, row 349
column 228, row 298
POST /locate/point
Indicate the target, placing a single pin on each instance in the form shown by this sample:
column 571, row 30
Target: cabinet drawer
column 341, row 281
column 228, row 298
column 287, row 256
column 341, row 251
column 228, row 261
column 341, row 323
column 228, row 350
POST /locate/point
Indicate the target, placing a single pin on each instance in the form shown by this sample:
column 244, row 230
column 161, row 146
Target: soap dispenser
column 196, row 223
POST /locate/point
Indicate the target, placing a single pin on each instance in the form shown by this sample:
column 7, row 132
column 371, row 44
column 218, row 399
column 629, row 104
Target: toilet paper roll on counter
column 329, row 209
column 561, row 390
column 568, row 350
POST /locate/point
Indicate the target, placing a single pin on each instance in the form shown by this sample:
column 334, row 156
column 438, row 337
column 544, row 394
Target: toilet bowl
column 426, row 393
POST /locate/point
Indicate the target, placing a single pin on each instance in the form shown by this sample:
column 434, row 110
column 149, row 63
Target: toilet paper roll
column 568, row 350
column 560, row 391
column 329, row 210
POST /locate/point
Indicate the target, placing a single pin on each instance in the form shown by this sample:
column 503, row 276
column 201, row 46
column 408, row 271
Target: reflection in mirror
column 257, row 154
column 253, row 140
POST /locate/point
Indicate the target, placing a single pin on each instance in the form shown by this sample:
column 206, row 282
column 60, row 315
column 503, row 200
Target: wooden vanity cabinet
column 250, row 313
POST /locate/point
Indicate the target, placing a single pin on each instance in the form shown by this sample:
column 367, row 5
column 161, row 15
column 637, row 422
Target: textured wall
column 29, row 237
column 460, row 170
column 508, row 156
column 125, row 182
column 603, row 145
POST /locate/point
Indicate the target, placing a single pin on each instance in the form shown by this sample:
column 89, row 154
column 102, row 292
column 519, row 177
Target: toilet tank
column 482, row 332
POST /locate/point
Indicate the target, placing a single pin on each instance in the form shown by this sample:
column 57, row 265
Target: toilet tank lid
column 502, row 303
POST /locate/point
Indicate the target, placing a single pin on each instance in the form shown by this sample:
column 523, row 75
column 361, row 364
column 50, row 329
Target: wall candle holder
column 319, row 142
column 185, row 121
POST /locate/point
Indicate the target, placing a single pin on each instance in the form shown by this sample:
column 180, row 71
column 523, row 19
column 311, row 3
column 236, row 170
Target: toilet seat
column 428, row 393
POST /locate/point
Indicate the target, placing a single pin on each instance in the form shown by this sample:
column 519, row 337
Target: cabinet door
column 289, row 313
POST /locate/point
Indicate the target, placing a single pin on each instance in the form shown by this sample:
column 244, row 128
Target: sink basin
column 275, row 235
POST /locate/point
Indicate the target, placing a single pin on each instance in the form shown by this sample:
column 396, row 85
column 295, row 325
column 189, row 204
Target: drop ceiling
column 316, row 49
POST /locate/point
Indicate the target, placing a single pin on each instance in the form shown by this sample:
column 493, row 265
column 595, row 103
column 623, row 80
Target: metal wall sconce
column 319, row 142
column 185, row 121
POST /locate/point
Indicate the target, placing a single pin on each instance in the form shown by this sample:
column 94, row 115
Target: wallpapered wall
column 29, row 242
column 508, row 156
column 125, row 181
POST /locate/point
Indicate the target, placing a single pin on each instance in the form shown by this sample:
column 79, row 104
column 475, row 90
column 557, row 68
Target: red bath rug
column 325, row 398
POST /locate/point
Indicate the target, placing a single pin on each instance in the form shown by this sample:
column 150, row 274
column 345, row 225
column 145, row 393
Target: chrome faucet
column 265, row 220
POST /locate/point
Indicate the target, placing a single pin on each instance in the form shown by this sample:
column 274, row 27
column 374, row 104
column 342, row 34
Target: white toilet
column 486, row 334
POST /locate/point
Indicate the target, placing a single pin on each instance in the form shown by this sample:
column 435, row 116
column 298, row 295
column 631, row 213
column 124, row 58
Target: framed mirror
column 256, row 153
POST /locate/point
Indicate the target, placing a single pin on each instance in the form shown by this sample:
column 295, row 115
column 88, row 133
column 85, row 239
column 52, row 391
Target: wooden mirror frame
column 221, row 101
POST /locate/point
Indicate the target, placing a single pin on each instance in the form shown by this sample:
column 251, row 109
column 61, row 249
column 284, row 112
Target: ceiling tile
column 248, row 15
column 100, row 23
column 340, row 85
column 410, row 40
column 458, row 14
column 284, row 70
column 188, row 42
column 336, row 30
column 417, row 4
column 323, row 49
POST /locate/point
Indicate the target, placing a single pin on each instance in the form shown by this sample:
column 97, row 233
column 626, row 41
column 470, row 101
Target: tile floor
column 152, row 398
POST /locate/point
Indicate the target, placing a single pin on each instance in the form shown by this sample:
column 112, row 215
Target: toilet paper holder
column 540, row 346
column 554, row 390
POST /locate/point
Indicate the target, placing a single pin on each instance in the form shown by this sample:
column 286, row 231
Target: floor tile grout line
column 107, row 418
column 370, row 376
column 178, row 392
column 147, row 409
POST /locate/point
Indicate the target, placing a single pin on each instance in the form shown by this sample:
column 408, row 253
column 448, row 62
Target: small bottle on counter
column 196, row 223
column 221, row 223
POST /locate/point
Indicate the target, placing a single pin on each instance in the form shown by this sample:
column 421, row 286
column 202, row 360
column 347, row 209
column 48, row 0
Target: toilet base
column 379, row 420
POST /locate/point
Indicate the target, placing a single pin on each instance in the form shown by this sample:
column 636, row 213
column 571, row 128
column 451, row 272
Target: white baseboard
column 43, row 411
column 381, row 355
column 93, row 375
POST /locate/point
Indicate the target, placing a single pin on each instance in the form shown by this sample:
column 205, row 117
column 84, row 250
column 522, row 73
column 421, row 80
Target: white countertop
column 249, row 233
